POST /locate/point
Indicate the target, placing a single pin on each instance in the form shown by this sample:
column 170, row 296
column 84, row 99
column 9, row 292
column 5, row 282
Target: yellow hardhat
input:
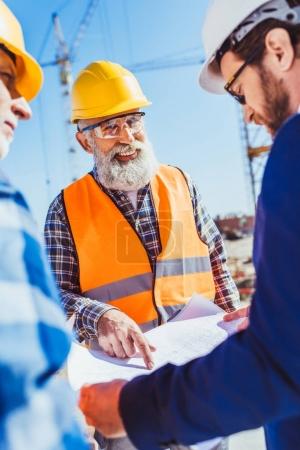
column 104, row 88
column 29, row 73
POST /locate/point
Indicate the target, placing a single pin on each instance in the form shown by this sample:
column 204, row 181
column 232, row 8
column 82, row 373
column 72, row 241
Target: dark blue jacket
column 253, row 378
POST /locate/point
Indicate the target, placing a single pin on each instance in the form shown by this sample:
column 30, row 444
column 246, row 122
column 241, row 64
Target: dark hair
column 256, row 39
column 8, row 52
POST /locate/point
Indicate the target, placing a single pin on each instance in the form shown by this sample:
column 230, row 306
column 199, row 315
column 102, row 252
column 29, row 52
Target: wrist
column 102, row 316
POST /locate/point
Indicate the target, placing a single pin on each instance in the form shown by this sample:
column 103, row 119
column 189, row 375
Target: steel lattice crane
column 65, row 55
column 256, row 145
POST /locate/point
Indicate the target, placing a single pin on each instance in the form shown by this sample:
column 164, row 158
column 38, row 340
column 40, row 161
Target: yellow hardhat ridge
column 29, row 73
column 105, row 88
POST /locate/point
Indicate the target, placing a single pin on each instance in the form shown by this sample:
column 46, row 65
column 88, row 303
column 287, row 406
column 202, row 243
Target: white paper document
column 177, row 342
column 198, row 306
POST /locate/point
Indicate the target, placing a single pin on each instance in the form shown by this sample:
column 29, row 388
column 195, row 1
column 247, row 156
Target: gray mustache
column 123, row 148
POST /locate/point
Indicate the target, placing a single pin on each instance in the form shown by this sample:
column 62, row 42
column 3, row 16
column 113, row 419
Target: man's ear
column 280, row 48
column 83, row 141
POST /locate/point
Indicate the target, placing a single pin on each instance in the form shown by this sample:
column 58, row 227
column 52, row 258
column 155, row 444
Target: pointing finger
column 142, row 345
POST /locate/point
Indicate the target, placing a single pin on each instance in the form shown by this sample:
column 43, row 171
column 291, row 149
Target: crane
column 255, row 148
column 65, row 55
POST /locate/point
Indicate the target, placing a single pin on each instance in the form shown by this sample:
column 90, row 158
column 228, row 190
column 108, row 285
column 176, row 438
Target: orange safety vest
column 114, row 266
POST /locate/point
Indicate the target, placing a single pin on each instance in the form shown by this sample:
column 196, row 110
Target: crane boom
column 82, row 27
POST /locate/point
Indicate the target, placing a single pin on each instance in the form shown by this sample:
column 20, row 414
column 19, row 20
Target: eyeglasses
column 240, row 97
column 110, row 128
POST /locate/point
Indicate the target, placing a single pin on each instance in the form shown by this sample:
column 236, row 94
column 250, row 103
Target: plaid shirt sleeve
column 37, row 408
column 63, row 260
column 227, row 295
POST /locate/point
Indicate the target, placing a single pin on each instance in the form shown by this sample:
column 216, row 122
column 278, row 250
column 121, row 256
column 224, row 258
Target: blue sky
column 188, row 127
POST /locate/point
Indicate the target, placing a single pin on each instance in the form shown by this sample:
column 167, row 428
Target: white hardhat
column 234, row 19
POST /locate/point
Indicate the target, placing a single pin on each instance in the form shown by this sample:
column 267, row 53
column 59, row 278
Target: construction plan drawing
column 194, row 332
column 177, row 342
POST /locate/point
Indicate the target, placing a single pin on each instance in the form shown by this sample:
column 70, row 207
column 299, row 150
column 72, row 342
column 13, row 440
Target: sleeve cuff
column 88, row 317
column 140, row 415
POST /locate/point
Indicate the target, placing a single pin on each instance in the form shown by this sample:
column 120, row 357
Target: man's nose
column 126, row 135
column 21, row 108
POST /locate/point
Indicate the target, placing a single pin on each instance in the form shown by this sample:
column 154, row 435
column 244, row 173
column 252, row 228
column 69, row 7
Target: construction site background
column 237, row 232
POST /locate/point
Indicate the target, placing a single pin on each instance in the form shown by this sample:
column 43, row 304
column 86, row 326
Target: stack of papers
column 194, row 332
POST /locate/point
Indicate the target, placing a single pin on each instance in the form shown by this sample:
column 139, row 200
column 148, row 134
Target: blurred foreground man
column 252, row 379
column 131, row 241
column 37, row 409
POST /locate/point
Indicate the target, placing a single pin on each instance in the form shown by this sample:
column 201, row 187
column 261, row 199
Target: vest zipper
column 159, row 317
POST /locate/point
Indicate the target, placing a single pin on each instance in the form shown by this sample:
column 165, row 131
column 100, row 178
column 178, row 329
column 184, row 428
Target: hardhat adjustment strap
column 285, row 10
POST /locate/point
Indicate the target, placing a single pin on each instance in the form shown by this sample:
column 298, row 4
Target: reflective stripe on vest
column 174, row 267
column 122, row 288
column 113, row 264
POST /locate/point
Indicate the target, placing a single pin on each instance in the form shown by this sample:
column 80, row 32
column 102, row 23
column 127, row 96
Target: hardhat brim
column 118, row 109
column 29, row 73
column 211, row 79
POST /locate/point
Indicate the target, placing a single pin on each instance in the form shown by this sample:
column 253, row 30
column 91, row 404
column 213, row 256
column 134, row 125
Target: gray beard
column 128, row 176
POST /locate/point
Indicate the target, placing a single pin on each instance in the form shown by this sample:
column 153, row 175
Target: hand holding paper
column 239, row 314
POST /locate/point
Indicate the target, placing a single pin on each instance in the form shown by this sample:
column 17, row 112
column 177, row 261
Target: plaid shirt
column 62, row 254
column 37, row 407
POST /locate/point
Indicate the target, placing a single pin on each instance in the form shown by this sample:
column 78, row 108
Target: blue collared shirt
column 36, row 407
